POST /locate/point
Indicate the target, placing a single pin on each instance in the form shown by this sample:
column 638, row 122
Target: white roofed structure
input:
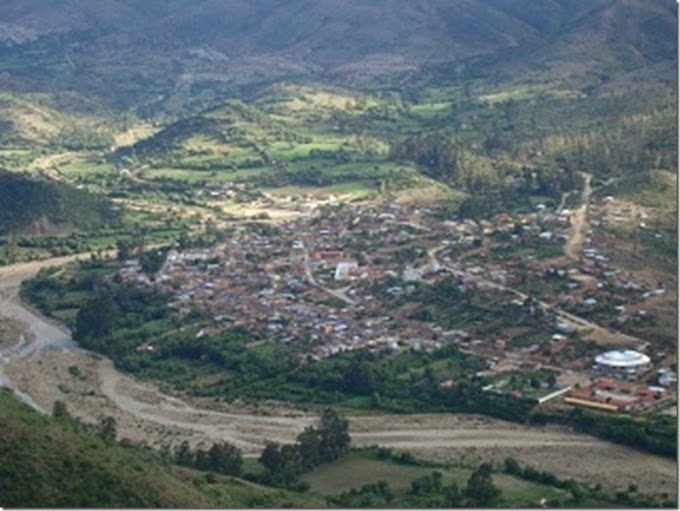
column 622, row 359
column 621, row 363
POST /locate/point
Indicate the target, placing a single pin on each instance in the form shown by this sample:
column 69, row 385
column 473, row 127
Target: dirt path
column 579, row 220
column 51, row 160
column 41, row 371
column 563, row 200
column 146, row 416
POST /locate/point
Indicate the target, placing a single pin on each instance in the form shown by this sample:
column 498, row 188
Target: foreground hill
column 46, row 464
column 50, row 463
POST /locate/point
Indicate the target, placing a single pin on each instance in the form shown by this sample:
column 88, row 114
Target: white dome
column 622, row 358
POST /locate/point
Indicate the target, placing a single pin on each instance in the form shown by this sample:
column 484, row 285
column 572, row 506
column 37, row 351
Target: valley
column 228, row 227
column 38, row 371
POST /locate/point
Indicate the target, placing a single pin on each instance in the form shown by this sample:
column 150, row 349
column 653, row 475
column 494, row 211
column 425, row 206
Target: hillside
column 60, row 120
column 44, row 463
column 613, row 41
column 130, row 54
column 31, row 206
column 49, row 463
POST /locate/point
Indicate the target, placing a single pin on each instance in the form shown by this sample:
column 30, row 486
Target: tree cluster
column 657, row 434
column 314, row 446
column 222, row 458
column 427, row 491
column 118, row 317
column 480, row 489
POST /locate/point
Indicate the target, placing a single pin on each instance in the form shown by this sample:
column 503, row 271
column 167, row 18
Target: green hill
column 50, row 463
column 32, row 206
column 46, row 464
column 291, row 135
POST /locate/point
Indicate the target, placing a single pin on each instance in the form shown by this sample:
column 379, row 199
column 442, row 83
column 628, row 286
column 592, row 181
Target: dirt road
column 579, row 220
column 40, row 370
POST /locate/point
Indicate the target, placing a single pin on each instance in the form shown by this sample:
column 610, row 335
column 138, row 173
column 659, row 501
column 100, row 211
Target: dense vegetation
column 58, row 462
column 26, row 203
column 494, row 107
column 436, row 485
column 48, row 463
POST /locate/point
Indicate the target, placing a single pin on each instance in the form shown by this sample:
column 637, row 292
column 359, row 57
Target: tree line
column 222, row 458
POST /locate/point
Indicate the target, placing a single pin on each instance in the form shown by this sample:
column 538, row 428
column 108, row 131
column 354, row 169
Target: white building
column 621, row 363
column 346, row 269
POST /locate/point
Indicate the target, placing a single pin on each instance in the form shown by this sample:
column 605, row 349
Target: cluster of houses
column 314, row 280
column 324, row 282
column 616, row 395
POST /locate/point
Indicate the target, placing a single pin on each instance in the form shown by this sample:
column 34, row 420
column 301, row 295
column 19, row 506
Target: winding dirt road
column 40, row 371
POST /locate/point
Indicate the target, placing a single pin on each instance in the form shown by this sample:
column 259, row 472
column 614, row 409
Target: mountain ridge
column 107, row 46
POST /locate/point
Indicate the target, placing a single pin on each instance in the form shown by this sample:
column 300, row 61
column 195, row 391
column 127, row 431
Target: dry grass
column 11, row 331
column 133, row 135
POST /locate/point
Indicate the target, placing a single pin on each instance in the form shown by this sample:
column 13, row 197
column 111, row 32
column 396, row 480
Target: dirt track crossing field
column 40, row 371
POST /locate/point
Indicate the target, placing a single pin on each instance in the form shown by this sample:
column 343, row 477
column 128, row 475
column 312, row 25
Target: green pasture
column 86, row 168
column 357, row 469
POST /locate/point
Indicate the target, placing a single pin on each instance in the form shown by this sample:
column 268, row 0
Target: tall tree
column 359, row 377
column 107, row 428
column 309, row 447
column 480, row 488
column 183, row 454
column 97, row 317
column 335, row 436
column 225, row 459
column 124, row 250
column 271, row 458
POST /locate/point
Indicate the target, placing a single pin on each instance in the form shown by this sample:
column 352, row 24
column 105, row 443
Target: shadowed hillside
column 122, row 47
column 51, row 463
column 38, row 206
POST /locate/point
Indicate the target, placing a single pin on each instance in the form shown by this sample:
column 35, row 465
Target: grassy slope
column 44, row 463
column 52, row 119
column 355, row 470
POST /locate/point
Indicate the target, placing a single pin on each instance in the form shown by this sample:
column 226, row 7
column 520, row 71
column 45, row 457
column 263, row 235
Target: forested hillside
column 41, row 207
column 45, row 463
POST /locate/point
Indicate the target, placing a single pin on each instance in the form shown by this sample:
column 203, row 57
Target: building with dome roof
column 621, row 363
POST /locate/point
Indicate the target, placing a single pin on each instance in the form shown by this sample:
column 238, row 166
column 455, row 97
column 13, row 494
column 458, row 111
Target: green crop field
column 356, row 470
